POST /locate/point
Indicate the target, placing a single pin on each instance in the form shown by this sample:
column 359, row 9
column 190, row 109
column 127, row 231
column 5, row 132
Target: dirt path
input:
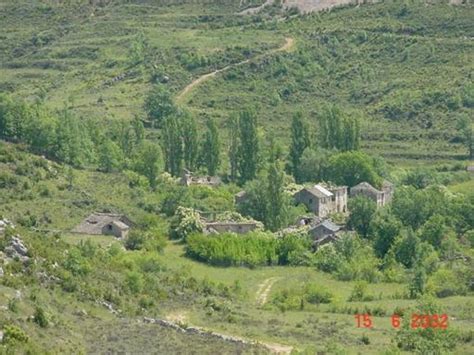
column 289, row 43
column 264, row 290
column 178, row 319
column 254, row 10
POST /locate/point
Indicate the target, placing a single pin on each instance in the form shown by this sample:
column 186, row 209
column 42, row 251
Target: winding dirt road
column 289, row 43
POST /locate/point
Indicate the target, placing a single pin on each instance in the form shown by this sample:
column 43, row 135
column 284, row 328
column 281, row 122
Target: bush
column 185, row 222
column 359, row 293
column 445, row 283
column 12, row 333
column 315, row 294
column 252, row 249
column 40, row 317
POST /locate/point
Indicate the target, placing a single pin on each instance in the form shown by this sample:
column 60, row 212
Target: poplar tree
column 234, row 146
column 299, row 142
column 248, row 152
column 276, row 211
column 172, row 145
column 190, row 141
column 211, row 148
column 147, row 161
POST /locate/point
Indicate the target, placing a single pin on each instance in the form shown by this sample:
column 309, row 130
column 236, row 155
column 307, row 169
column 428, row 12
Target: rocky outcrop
column 4, row 224
column 16, row 249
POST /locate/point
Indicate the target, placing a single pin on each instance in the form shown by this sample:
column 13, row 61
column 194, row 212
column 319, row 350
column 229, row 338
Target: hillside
column 405, row 72
column 254, row 179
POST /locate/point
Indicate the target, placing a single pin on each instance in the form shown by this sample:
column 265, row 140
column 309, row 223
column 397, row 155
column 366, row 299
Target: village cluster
column 321, row 200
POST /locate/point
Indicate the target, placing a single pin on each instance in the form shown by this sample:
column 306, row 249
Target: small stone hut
column 114, row 224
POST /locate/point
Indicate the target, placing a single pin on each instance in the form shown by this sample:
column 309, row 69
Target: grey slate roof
column 94, row 223
column 330, row 225
column 365, row 186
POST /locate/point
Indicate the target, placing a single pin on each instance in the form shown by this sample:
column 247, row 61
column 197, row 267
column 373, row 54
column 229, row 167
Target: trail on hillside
column 264, row 290
column 289, row 43
column 178, row 319
column 254, row 10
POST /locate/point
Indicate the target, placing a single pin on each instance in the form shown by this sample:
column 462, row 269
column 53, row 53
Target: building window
column 310, row 201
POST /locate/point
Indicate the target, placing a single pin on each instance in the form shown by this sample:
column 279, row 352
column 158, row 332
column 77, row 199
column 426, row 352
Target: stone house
column 187, row 179
column 114, row 224
column 324, row 229
column 230, row 227
column 380, row 197
column 324, row 232
column 323, row 200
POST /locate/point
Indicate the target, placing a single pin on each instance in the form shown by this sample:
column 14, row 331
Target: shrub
column 135, row 240
column 252, row 249
column 359, row 292
column 445, row 283
column 12, row 333
column 186, row 222
column 316, row 294
column 40, row 317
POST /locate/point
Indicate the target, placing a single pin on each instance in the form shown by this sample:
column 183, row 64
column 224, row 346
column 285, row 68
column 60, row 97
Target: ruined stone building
column 104, row 224
column 323, row 200
column 380, row 197
column 187, row 179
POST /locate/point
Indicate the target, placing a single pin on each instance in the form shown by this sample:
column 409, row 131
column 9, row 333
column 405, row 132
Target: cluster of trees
column 67, row 138
column 252, row 249
column 181, row 142
column 337, row 132
column 423, row 231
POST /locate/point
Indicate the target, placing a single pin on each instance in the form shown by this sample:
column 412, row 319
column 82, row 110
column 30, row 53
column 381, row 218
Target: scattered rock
column 81, row 313
column 1, row 336
column 1, row 272
column 110, row 307
column 16, row 249
column 4, row 223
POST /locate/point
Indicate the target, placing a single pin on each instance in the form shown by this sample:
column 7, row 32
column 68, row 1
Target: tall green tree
column 299, row 142
column 234, row 144
column 361, row 211
column 73, row 141
column 190, row 141
column 248, row 153
column 337, row 130
column 110, row 156
column 314, row 164
column 148, row 162
column 172, row 145
column 276, row 211
column 159, row 105
column 351, row 168
column 351, row 133
column 211, row 148
column 384, row 229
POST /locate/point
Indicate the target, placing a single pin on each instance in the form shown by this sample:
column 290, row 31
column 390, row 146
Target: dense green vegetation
column 93, row 117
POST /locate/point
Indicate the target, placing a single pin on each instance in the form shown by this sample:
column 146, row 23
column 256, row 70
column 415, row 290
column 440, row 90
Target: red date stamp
column 418, row 321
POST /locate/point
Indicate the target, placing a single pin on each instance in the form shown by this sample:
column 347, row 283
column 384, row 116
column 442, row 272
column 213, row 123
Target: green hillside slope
column 406, row 70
